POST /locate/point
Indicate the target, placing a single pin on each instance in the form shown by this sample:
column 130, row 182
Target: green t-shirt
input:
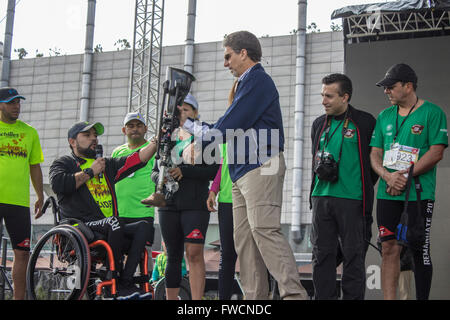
column 424, row 127
column 225, row 179
column 98, row 187
column 19, row 148
column 349, row 185
column 137, row 186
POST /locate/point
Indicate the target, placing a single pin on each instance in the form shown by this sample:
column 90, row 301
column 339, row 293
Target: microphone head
column 99, row 151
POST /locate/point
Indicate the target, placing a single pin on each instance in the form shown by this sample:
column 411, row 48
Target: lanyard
column 396, row 120
column 327, row 139
column 327, row 131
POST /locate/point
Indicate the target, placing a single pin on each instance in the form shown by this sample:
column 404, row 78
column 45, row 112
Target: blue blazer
column 254, row 117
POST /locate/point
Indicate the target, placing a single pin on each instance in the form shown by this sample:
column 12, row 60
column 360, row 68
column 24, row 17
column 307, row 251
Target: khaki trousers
column 259, row 242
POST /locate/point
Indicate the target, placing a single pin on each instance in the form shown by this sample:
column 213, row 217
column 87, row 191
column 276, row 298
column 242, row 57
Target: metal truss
column 146, row 61
column 378, row 24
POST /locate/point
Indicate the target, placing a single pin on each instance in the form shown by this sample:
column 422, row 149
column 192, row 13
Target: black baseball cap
column 8, row 94
column 398, row 72
column 83, row 126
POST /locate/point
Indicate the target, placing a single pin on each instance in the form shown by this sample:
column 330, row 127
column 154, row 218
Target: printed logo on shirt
column 417, row 129
column 13, row 151
column 9, row 134
column 98, row 189
column 349, row 133
column 195, row 234
column 11, row 147
column 104, row 204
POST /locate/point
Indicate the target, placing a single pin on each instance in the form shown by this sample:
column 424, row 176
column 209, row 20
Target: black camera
column 325, row 167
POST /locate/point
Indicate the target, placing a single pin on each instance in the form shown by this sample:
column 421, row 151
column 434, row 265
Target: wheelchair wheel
column 56, row 266
column 184, row 294
column 85, row 251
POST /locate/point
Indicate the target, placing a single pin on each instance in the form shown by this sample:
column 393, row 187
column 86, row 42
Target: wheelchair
column 70, row 262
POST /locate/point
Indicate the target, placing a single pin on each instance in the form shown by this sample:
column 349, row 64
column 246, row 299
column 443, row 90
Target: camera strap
column 327, row 131
column 328, row 138
column 344, row 130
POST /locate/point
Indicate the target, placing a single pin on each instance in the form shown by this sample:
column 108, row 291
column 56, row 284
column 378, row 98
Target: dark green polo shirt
column 424, row 127
column 349, row 183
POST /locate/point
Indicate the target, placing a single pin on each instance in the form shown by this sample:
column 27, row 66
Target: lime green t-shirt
column 424, row 127
column 225, row 179
column 137, row 186
column 19, row 148
column 349, row 185
column 98, row 187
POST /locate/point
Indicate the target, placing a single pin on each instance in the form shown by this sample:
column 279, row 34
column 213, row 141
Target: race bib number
column 400, row 157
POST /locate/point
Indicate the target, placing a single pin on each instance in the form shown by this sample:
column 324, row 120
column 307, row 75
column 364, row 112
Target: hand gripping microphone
column 99, row 154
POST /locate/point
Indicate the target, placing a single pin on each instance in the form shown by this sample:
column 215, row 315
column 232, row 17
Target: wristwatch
column 89, row 172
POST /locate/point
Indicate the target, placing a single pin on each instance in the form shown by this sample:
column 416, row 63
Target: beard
column 86, row 152
column 10, row 116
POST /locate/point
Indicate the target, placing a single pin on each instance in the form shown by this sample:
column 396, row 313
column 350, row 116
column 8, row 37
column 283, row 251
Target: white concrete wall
column 52, row 86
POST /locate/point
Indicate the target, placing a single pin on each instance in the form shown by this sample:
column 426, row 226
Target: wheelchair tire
column 85, row 251
column 56, row 267
column 184, row 294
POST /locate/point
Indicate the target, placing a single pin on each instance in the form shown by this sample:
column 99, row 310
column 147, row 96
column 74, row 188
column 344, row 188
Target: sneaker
column 127, row 292
column 145, row 296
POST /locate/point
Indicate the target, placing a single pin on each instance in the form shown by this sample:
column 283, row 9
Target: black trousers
column 150, row 224
column 228, row 254
column 177, row 228
column 112, row 231
column 338, row 221
column 123, row 238
column 136, row 236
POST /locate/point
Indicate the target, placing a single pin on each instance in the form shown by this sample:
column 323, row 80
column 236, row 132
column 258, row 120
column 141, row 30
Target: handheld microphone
column 99, row 154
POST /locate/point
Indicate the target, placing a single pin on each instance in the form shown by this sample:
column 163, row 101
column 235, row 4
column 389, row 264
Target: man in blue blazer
column 253, row 128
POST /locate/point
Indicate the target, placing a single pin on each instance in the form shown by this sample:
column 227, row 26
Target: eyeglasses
column 227, row 56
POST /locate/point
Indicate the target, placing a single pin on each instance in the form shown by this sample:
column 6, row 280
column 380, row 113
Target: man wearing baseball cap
column 20, row 158
column 84, row 183
column 411, row 130
column 84, row 126
column 138, row 185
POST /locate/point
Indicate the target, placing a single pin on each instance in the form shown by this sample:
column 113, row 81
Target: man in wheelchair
column 84, row 184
